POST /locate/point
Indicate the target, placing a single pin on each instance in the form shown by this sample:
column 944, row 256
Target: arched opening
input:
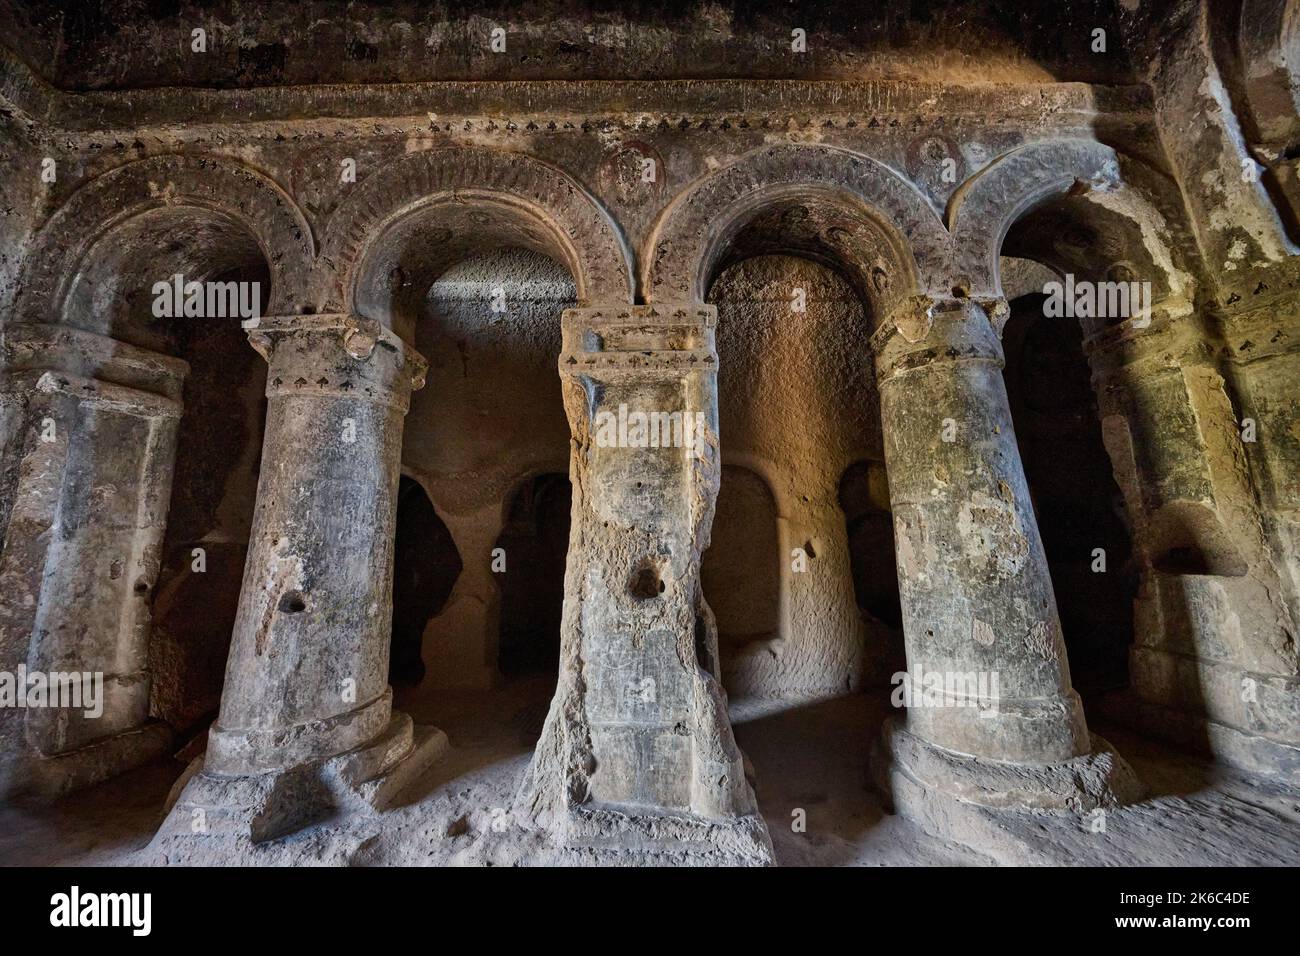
column 741, row 571
column 1063, row 243
column 1077, row 503
column 478, row 286
column 422, row 247
column 125, row 289
column 425, row 568
column 492, row 410
column 535, row 541
column 795, row 286
column 1151, row 596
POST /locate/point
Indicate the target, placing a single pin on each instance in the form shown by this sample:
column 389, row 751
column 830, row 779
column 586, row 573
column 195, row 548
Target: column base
column 948, row 794
column 59, row 774
column 214, row 819
column 611, row 835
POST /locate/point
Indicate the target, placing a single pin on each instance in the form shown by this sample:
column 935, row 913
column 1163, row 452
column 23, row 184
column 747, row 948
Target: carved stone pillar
column 88, row 433
column 1206, row 458
column 992, row 718
column 306, row 694
column 637, row 758
column 1265, row 367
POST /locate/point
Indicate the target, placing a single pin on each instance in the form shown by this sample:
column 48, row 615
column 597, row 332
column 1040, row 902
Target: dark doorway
column 741, row 571
column 425, row 567
column 864, row 499
column 536, row 543
column 1077, row 503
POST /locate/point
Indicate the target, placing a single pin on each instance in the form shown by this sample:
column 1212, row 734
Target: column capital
column 33, row 350
column 89, row 392
column 1262, row 328
column 337, row 355
column 639, row 340
column 922, row 330
column 1166, row 340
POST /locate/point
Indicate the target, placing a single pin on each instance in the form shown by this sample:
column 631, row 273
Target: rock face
column 954, row 360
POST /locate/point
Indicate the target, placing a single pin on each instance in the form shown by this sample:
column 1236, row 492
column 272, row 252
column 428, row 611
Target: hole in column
column 646, row 583
column 1189, row 539
column 292, row 602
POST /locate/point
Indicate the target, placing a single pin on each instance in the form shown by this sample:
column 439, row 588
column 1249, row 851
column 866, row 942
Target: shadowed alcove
column 425, row 568
column 535, row 540
column 741, row 571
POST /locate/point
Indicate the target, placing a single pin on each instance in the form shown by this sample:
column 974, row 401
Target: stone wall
column 816, row 263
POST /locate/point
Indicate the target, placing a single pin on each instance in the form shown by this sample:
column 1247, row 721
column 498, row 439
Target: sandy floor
column 809, row 757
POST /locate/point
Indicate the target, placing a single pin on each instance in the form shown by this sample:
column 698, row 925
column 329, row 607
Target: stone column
column 88, row 431
column 986, row 661
column 306, row 693
column 1207, row 462
column 637, row 759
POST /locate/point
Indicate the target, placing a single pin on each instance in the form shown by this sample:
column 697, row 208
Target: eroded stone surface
column 734, row 249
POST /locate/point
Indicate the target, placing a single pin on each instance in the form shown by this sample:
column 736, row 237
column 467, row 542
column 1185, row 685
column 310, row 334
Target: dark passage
column 425, row 567
column 864, row 501
column 536, row 541
column 1078, row 505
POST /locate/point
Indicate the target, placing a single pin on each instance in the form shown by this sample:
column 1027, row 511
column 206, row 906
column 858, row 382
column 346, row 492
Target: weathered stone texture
column 813, row 255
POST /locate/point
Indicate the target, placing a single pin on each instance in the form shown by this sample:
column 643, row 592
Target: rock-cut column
column 306, row 694
column 88, row 439
column 637, row 761
column 987, row 673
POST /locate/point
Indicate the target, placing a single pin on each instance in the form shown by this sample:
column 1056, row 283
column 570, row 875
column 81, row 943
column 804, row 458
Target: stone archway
column 1098, row 219
column 518, row 201
column 884, row 213
column 139, row 392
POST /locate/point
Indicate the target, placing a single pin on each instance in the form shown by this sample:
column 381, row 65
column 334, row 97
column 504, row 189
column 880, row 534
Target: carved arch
column 546, row 202
column 111, row 199
column 687, row 243
column 1114, row 193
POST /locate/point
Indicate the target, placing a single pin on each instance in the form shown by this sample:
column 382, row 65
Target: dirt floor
column 807, row 756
